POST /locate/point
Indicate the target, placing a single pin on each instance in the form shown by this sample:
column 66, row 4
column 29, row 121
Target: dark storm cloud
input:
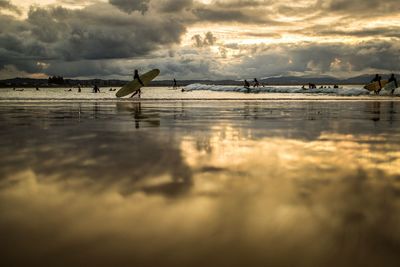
column 84, row 68
column 83, row 42
column 243, row 3
column 173, row 6
column 210, row 15
column 130, row 6
column 96, row 32
column 193, row 66
column 6, row 5
column 362, row 7
column 48, row 26
column 17, row 47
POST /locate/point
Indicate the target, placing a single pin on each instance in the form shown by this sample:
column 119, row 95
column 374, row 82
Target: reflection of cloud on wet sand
column 95, row 190
column 248, row 220
column 268, row 207
column 93, row 151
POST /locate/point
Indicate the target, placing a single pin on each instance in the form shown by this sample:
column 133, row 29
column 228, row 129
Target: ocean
column 209, row 177
column 198, row 91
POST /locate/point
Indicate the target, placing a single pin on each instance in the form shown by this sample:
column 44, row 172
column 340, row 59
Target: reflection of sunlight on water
column 336, row 153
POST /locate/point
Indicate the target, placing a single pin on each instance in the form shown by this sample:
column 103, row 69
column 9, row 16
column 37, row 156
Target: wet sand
column 200, row 183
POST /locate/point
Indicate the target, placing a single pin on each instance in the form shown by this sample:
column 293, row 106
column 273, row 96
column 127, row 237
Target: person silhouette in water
column 96, row 89
column 256, row 83
column 377, row 78
column 137, row 77
column 393, row 79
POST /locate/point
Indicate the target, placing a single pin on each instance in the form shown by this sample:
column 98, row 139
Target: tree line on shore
column 56, row 80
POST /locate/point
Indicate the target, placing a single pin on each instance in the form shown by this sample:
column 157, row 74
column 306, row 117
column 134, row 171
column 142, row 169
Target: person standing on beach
column 79, row 88
column 137, row 77
column 175, row 84
column 393, row 79
column 96, row 89
column 377, row 78
column 256, row 83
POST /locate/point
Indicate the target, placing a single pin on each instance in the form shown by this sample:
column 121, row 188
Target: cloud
column 208, row 40
column 174, row 6
column 6, row 5
column 234, row 15
column 69, row 38
column 105, row 39
column 314, row 58
column 130, row 6
column 361, row 7
column 95, row 32
column 390, row 32
column 251, row 61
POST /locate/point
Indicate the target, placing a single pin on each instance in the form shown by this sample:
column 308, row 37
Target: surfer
column 96, row 89
column 137, row 77
column 175, row 84
column 79, row 88
column 256, row 83
column 246, row 84
column 393, row 79
column 377, row 78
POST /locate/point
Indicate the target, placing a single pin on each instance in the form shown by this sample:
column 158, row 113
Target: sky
column 198, row 39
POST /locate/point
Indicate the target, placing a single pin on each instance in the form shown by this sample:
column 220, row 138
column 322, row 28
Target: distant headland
column 59, row 81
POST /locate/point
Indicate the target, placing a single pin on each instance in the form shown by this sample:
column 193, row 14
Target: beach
column 199, row 133
column 199, row 178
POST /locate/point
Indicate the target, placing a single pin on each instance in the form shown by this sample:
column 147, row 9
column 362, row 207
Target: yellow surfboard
column 134, row 85
column 375, row 86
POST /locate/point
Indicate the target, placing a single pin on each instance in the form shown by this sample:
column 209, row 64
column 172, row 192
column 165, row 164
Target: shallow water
column 198, row 91
column 200, row 183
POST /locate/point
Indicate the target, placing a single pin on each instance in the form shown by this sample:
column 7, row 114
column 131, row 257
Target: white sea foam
column 278, row 89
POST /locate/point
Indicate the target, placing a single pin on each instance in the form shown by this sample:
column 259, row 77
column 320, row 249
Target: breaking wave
column 278, row 89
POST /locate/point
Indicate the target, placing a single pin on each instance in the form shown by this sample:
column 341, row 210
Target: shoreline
column 371, row 98
column 170, row 85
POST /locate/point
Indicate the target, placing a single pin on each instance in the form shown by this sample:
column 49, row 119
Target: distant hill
column 278, row 80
